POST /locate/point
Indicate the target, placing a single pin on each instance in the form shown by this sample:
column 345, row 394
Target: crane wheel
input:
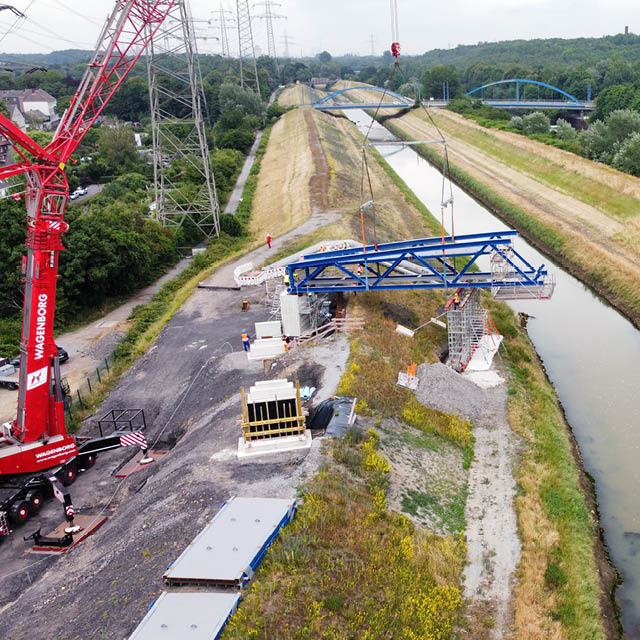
column 68, row 475
column 19, row 512
column 86, row 462
column 35, row 500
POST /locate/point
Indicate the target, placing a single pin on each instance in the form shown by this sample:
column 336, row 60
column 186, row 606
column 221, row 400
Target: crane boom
column 37, row 439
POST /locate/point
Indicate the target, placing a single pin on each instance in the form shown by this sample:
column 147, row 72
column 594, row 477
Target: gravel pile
column 105, row 347
column 443, row 389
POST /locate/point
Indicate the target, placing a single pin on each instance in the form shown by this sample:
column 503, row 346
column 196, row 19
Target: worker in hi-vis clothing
column 456, row 300
column 245, row 341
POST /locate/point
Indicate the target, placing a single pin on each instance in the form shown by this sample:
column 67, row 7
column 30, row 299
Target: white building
column 32, row 107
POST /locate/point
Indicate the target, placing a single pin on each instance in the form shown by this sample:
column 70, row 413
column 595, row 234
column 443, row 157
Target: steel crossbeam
column 425, row 263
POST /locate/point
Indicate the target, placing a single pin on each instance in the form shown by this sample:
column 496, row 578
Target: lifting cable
column 395, row 50
column 446, row 198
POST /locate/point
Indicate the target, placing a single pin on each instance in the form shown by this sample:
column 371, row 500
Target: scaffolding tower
column 246, row 50
column 178, row 130
column 467, row 325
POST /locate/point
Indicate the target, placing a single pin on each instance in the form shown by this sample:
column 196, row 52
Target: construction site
column 350, row 429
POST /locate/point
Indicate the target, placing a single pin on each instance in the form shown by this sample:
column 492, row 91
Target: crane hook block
column 395, row 50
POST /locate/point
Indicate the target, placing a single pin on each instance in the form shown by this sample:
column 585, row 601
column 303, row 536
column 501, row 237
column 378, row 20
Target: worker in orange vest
column 246, row 345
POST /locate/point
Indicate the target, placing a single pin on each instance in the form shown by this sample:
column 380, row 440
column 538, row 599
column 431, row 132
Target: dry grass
column 282, row 198
column 395, row 217
column 569, row 162
column 291, row 96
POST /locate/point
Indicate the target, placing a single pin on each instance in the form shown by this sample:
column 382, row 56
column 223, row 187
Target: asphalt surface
column 236, row 194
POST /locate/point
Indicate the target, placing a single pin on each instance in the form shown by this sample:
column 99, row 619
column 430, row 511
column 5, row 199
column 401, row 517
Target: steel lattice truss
column 247, row 54
column 427, row 263
column 177, row 106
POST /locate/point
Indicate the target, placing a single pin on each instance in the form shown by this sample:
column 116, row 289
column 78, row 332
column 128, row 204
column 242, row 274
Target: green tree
column 565, row 131
column 627, row 158
column 536, row 122
column 595, row 143
column 324, row 57
column 620, row 96
column 621, row 124
column 516, row 123
column 232, row 96
column 435, row 78
column 118, row 149
column 131, row 101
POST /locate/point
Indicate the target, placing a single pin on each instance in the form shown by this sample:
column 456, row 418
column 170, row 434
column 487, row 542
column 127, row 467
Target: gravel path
column 493, row 544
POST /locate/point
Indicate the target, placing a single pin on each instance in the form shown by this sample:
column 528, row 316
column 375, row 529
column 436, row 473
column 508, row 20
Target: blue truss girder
column 429, row 263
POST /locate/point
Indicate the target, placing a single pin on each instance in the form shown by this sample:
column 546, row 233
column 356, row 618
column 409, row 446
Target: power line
column 22, row 16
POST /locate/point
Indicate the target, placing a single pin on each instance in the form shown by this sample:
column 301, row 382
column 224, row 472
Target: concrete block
column 268, row 329
column 274, row 445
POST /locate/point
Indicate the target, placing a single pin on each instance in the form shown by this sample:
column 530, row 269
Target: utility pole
column 177, row 124
column 269, row 16
column 372, row 40
column 246, row 50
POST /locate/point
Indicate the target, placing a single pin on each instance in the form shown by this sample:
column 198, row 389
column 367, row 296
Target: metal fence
column 77, row 397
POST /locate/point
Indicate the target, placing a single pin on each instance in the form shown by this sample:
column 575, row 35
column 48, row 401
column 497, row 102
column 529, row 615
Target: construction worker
column 246, row 344
column 456, row 300
column 269, row 240
column 286, row 278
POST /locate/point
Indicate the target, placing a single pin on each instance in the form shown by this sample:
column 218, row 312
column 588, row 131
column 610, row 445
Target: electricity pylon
column 269, row 16
column 246, row 50
column 178, row 131
column 222, row 20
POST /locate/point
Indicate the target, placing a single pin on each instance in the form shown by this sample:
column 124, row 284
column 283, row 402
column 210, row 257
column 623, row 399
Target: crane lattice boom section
column 40, row 419
column 426, row 263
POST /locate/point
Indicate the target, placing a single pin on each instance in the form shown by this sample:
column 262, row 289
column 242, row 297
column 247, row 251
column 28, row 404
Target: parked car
column 62, row 355
column 80, row 191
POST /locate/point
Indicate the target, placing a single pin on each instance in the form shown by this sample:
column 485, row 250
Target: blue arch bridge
column 391, row 100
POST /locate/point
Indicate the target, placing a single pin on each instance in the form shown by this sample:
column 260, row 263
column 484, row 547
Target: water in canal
column 591, row 354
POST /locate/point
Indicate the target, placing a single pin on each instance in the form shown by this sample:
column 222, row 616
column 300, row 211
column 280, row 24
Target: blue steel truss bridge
column 476, row 261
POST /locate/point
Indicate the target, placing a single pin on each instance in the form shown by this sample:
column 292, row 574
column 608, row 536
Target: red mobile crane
column 37, row 440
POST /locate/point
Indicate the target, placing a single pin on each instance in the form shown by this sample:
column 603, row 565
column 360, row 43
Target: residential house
column 31, row 107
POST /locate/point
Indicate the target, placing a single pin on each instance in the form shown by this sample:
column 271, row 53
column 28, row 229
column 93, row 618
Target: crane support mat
column 88, row 525
column 229, row 549
column 197, row 616
column 134, row 464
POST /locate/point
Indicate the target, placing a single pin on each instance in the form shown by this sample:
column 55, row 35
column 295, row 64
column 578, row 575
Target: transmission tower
column 269, row 16
column 246, row 50
column 286, row 40
column 177, row 102
column 224, row 17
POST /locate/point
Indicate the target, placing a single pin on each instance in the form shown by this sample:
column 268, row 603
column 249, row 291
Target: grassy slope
column 558, row 591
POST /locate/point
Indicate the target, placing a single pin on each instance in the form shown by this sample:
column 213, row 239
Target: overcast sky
column 340, row 26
